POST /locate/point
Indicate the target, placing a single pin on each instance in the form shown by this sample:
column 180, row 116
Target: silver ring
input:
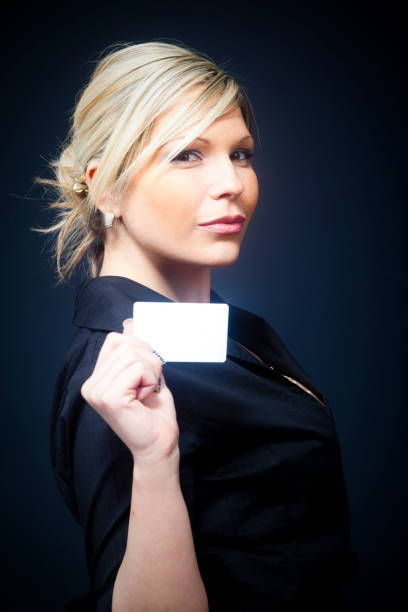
column 158, row 386
column 159, row 356
column 159, row 382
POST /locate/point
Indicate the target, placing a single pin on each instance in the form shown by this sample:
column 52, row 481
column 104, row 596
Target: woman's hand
column 121, row 389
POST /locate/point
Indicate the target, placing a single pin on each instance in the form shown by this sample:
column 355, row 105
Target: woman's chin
column 215, row 256
column 226, row 258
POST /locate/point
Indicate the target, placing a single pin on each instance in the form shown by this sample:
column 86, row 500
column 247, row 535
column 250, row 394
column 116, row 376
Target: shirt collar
column 103, row 303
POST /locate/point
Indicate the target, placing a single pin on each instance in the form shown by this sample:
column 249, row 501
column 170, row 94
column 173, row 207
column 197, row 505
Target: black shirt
column 260, row 465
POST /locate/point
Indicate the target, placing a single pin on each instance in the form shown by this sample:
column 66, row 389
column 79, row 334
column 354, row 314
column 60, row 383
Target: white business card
column 183, row 331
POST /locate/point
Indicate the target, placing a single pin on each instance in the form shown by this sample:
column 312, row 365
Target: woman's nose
column 225, row 179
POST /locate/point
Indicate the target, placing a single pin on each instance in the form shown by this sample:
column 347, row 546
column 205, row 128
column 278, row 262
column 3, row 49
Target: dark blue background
column 324, row 260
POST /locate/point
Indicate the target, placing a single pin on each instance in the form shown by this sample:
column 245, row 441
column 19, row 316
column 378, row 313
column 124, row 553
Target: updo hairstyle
column 112, row 122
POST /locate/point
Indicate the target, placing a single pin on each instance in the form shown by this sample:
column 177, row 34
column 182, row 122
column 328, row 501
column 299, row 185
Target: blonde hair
column 112, row 122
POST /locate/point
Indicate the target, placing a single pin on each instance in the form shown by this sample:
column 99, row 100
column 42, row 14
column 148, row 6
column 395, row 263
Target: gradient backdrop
column 323, row 261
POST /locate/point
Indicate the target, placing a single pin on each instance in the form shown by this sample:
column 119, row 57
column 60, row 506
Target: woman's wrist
column 156, row 470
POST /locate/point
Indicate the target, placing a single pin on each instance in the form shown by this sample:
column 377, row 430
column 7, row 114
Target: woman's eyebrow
column 199, row 138
column 247, row 137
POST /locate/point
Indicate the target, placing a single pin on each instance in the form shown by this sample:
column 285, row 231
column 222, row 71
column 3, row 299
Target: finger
column 128, row 327
column 124, row 356
column 110, row 369
column 163, row 381
column 143, row 393
column 112, row 364
column 128, row 332
column 114, row 339
column 118, row 395
column 133, row 383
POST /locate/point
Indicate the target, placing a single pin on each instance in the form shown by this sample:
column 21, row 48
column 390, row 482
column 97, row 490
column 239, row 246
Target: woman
column 199, row 486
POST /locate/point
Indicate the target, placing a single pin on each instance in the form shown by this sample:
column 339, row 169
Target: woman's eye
column 185, row 156
column 246, row 153
column 192, row 156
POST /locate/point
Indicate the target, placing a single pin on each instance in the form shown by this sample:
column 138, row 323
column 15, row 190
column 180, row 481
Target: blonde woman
column 199, row 486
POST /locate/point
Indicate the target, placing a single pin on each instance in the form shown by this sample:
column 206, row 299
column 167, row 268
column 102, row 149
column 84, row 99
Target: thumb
column 128, row 327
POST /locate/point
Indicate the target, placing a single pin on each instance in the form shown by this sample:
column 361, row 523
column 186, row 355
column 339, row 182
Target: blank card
column 183, row 331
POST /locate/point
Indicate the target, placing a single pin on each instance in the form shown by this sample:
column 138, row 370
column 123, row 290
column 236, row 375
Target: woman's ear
column 90, row 171
column 106, row 204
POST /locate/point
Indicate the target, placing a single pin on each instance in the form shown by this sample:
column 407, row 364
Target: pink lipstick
column 229, row 224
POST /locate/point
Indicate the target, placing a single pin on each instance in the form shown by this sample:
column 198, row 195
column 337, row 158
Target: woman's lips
column 224, row 228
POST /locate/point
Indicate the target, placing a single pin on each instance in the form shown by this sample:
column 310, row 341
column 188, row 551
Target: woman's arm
column 159, row 570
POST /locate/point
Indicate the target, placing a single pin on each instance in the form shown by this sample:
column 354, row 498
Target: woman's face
column 163, row 210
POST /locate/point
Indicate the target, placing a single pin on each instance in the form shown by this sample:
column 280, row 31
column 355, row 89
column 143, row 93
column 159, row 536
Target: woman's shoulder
column 101, row 304
column 69, row 408
column 78, row 364
column 80, row 357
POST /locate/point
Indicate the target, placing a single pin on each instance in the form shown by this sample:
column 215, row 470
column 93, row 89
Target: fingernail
column 127, row 322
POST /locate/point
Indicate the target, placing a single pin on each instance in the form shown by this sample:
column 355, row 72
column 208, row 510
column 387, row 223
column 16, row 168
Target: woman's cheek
column 253, row 194
column 174, row 216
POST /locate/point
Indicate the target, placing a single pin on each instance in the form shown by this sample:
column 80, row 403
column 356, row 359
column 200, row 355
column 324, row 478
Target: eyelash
column 247, row 152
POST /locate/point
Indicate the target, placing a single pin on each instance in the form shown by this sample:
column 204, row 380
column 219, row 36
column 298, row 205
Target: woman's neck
column 178, row 281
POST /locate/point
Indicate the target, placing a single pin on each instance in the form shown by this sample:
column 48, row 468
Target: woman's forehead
column 174, row 110
column 182, row 103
